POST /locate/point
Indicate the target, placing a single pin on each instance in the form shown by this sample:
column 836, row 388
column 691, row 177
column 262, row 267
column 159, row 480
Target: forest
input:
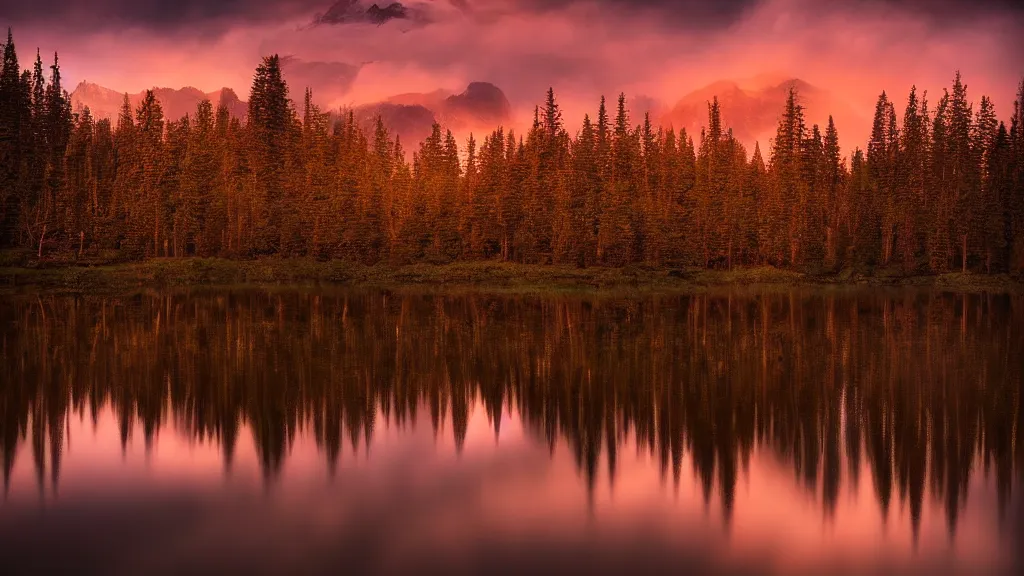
column 940, row 188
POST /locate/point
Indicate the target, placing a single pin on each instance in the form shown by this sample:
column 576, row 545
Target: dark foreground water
column 301, row 432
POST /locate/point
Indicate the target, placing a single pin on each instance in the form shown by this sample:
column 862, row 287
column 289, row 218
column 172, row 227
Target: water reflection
column 916, row 394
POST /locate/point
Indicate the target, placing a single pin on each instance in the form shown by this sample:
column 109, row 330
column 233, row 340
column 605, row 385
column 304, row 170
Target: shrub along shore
column 29, row 276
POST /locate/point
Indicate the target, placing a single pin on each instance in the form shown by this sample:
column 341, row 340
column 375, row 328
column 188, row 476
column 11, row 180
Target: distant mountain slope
column 353, row 11
column 106, row 103
column 753, row 112
column 480, row 108
column 482, row 105
column 412, row 123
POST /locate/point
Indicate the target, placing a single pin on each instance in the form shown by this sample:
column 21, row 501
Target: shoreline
column 177, row 273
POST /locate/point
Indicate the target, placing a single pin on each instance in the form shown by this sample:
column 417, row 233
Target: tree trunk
column 41, row 238
column 963, row 249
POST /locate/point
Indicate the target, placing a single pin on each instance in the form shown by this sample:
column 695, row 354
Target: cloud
column 663, row 49
column 218, row 15
column 166, row 16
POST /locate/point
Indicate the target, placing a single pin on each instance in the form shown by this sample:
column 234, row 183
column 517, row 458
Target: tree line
column 941, row 188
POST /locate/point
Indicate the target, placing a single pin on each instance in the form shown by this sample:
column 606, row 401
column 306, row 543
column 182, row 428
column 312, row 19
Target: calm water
column 309, row 432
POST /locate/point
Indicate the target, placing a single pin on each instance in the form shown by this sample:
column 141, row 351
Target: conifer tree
column 862, row 218
column 784, row 212
column 616, row 239
column 911, row 185
column 491, row 185
column 269, row 126
column 1015, row 200
column 100, row 196
column 197, row 186
column 74, row 214
column 707, row 205
column 376, row 221
column 655, row 217
column 680, row 183
column 29, row 203
column 147, row 215
column 583, row 197
column 127, row 179
column 836, row 206
column 812, row 176
column 988, row 224
column 13, row 113
column 56, row 130
column 882, row 210
column 757, row 192
column 963, row 162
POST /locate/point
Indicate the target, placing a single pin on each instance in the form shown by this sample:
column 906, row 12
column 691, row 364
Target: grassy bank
column 191, row 272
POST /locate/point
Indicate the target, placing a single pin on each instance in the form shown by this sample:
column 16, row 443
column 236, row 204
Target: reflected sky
column 707, row 433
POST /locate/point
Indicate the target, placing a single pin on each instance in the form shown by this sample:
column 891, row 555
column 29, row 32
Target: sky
column 661, row 49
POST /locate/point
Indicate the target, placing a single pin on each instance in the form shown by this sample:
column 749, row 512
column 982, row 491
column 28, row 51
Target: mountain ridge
column 750, row 109
column 176, row 103
column 752, row 112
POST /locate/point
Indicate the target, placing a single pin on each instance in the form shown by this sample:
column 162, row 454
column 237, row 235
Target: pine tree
column 988, row 223
column 175, row 151
column 127, row 180
column 963, row 161
column 911, row 186
column 269, row 132
column 998, row 187
column 784, row 213
column 862, row 217
column 680, row 183
column 197, row 187
column 511, row 200
column 940, row 199
column 882, row 213
column 1015, row 199
column 13, row 113
column 836, row 206
column 56, row 130
column 147, row 217
column 813, row 177
column 583, row 197
column 74, row 215
column 616, row 239
column 548, row 149
column 101, row 194
column 758, row 186
column 603, row 155
column 318, row 175
column 376, row 222
column 655, row 217
column 29, row 210
column 492, row 181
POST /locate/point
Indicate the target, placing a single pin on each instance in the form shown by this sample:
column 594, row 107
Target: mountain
column 480, row 108
column 106, row 103
column 353, row 11
column 482, row 105
column 412, row 123
column 752, row 111
column 328, row 80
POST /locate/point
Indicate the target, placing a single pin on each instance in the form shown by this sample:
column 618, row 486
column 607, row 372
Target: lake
column 773, row 431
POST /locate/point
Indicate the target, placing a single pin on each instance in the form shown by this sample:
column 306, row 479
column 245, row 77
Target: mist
column 655, row 52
